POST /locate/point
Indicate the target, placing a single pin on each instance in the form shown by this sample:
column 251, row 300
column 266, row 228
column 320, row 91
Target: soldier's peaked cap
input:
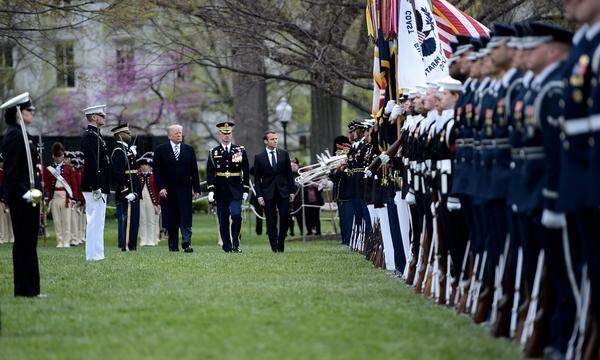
column 226, row 127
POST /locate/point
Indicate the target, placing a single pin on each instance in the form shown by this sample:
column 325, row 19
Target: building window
column 65, row 65
column 125, row 62
column 7, row 72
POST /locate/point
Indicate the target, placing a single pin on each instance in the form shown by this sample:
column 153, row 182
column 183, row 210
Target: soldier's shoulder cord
column 550, row 88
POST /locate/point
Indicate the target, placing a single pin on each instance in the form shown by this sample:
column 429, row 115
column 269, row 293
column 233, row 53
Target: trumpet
column 321, row 169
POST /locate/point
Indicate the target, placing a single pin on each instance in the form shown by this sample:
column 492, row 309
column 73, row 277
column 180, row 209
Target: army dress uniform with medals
column 95, row 184
column 228, row 180
column 18, row 193
column 127, row 190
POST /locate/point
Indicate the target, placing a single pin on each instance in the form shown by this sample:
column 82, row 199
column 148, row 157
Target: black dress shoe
column 237, row 250
column 174, row 250
column 188, row 249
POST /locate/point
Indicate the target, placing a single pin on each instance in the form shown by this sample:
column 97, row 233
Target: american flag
column 452, row 21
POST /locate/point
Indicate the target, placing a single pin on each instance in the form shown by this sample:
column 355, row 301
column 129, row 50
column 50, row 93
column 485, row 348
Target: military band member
column 78, row 219
column 59, row 180
column 340, row 189
column 6, row 232
column 227, row 177
column 95, row 182
column 149, row 204
column 127, row 190
column 21, row 179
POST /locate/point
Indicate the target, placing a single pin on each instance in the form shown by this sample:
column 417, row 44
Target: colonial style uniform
column 227, row 177
column 149, row 204
column 127, row 191
column 59, row 181
column 95, row 185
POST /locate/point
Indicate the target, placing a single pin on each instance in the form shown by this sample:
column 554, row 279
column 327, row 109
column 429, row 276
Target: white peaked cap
column 96, row 109
column 450, row 84
column 17, row 100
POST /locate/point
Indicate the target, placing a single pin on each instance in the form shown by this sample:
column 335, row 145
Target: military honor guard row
column 484, row 196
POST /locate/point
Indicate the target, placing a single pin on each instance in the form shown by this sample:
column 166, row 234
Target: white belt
column 582, row 125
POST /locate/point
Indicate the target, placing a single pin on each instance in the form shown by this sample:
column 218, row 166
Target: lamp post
column 283, row 111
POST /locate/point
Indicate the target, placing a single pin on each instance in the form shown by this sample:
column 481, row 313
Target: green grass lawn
column 317, row 300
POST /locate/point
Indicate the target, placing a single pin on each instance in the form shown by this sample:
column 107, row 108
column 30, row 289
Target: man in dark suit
column 176, row 175
column 274, row 188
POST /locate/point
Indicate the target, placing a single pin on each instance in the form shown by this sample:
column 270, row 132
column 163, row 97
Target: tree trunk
column 326, row 121
column 250, row 103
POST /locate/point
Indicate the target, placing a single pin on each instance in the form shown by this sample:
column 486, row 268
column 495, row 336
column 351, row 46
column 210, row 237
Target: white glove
column 384, row 158
column 410, row 198
column 389, row 106
column 133, row 149
column 27, row 196
column 396, row 112
column 433, row 206
column 453, row 204
column 211, row 196
column 244, row 196
column 130, row 197
column 553, row 220
column 368, row 173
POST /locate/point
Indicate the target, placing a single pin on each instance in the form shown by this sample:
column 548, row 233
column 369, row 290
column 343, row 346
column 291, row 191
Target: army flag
column 411, row 71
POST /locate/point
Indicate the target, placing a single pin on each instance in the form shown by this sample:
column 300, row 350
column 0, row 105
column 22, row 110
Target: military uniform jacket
column 500, row 143
column 16, row 172
column 96, row 172
column 576, row 144
column 530, row 159
column 69, row 174
column 228, row 173
column 124, row 172
column 594, row 105
column 147, row 179
column 464, row 137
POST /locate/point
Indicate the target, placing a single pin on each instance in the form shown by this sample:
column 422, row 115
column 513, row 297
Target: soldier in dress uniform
column 572, row 197
column 59, row 180
column 340, row 190
column 6, row 232
column 95, row 181
column 228, row 180
column 149, row 204
column 354, row 169
column 78, row 219
column 127, row 190
column 21, row 193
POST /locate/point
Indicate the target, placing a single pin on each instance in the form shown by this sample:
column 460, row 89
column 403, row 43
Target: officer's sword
column 128, row 228
column 36, row 195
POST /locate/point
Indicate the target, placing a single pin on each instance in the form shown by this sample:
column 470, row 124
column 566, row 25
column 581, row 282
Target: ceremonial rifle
column 43, row 188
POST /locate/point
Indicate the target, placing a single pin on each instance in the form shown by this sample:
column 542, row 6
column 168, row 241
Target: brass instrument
column 320, row 170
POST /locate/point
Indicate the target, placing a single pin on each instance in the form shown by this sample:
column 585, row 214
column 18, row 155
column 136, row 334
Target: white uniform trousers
column 61, row 216
column 405, row 226
column 96, row 213
column 6, row 232
column 148, row 231
column 386, row 234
